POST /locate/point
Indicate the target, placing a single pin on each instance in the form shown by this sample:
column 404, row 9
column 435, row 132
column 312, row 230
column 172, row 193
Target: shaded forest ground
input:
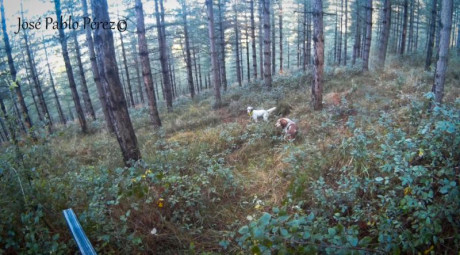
column 208, row 173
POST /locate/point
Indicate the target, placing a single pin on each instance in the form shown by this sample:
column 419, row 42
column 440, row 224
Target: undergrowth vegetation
column 375, row 172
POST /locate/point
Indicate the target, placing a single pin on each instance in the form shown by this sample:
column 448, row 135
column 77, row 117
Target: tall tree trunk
column 357, row 35
column 222, row 68
column 8, row 121
column 125, row 63
column 214, row 63
column 68, row 67
column 418, row 23
column 163, row 56
column 38, row 87
column 84, row 87
column 56, row 98
column 267, row 53
column 336, row 32
column 441, row 65
column 367, row 46
column 273, row 40
column 31, row 90
column 345, row 47
column 308, row 43
column 385, row 34
column 318, row 39
column 281, row 35
column 429, row 52
column 404, row 28
column 237, row 50
column 304, row 38
column 138, row 75
column 458, row 35
column 410, row 42
column 188, row 60
column 339, row 53
column 253, row 42
column 103, row 40
column 247, row 48
column 17, row 87
column 145, row 62
column 100, row 83
column 261, row 40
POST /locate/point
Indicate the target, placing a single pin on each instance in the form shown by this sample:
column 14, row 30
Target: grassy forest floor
column 373, row 172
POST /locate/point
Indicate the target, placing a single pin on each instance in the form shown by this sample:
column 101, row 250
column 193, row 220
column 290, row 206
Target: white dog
column 255, row 114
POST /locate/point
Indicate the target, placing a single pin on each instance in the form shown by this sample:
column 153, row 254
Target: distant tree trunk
column 199, row 71
column 247, row 49
column 441, row 65
column 125, row 63
column 145, row 62
column 188, row 60
column 17, row 87
column 429, row 52
column 367, row 46
column 103, row 40
column 404, row 28
column 163, row 56
column 418, row 23
column 237, row 50
column 68, row 67
column 281, row 36
column 222, row 64
column 345, row 47
column 261, row 40
column 339, row 53
column 32, row 93
column 458, row 36
column 84, row 87
column 304, row 38
column 253, row 42
column 308, row 43
column 138, row 75
column 336, row 32
column 214, row 63
column 267, row 53
column 357, row 35
column 410, row 42
column 96, row 74
column 35, row 78
column 56, row 98
column 318, row 39
column 273, row 40
column 385, row 34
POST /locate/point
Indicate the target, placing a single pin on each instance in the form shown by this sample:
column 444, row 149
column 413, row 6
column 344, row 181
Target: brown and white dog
column 289, row 128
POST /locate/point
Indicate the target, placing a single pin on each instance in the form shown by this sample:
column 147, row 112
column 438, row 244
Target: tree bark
column 404, row 28
column 84, row 87
column 357, row 35
column 100, row 86
column 56, row 98
column 318, row 39
column 345, row 47
column 267, row 53
column 163, row 55
column 145, row 62
column 103, row 40
column 214, row 63
column 125, row 63
column 441, row 65
column 367, row 46
column 261, row 40
column 237, row 51
column 17, row 85
column 253, row 42
column 222, row 64
column 188, row 60
column 273, row 39
column 281, row 35
column 429, row 52
column 248, row 65
column 385, row 34
column 68, row 67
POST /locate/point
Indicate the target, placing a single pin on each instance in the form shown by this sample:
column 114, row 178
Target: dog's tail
column 271, row 110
